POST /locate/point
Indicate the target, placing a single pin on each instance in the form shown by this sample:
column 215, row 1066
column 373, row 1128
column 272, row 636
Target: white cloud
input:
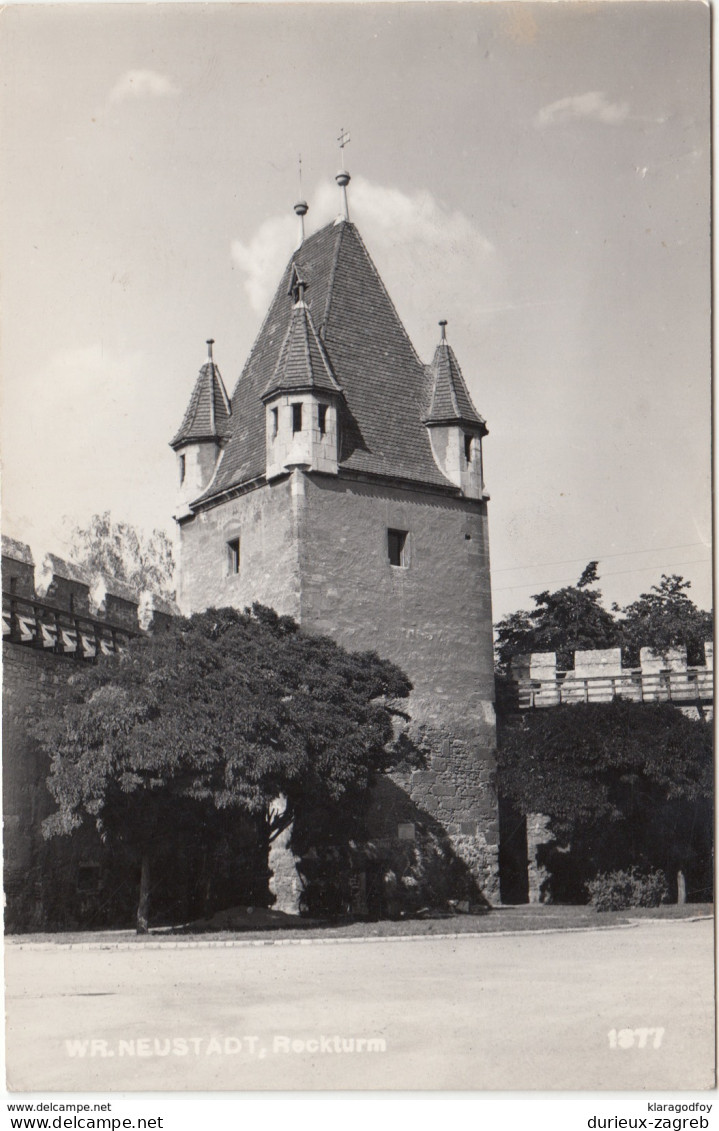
column 593, row 105
column 143, row 84
column 432, row 259
column 263, row 259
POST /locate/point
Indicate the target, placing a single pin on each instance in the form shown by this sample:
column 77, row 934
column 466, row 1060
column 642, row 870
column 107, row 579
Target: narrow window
column 182, row 469
column 397, row 547
column 296, row 418
column 233, row 556
column 468, row 448
column 322, row 418
column 275, row 422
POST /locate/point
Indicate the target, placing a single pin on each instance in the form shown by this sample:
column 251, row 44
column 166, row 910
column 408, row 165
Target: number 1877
column 635, row 1038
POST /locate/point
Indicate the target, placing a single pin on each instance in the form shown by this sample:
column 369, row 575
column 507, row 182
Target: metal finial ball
column 343, row 179
column 302, row 208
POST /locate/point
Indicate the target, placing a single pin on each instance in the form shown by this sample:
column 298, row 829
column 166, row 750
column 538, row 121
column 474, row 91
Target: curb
column 224, row 944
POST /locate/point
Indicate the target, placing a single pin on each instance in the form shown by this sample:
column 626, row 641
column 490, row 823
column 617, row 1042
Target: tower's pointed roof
column 451, row 402
column 209, row 411
column 387, row 391
column 303, row 364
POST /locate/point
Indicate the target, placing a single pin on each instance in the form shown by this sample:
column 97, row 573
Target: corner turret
column 302, row 398
column 201, row 435
column 455, row 427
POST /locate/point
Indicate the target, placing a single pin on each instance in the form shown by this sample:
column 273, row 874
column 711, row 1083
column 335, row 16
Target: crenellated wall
column 598, row 677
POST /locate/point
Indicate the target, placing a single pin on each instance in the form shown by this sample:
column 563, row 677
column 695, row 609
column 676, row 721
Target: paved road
column 478, row 1012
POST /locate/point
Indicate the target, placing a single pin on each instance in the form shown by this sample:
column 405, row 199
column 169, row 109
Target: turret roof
column 303, row 363
column 208, row 413
column 451, row 402
column 387, row 390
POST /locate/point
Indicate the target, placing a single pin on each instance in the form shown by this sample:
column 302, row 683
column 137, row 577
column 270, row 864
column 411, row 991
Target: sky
column 537, row 174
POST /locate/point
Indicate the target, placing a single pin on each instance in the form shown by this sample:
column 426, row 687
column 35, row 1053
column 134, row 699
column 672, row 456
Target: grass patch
column 532, row 917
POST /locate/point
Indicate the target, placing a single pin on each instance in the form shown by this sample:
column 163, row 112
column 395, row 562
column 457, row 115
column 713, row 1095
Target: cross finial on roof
column 342, row 141
column 443, row 325
column 210, row 344
column 343, row 177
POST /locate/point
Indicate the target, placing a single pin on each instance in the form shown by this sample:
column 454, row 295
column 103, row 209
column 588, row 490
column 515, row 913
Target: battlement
column 598, row 677
column 59, row 607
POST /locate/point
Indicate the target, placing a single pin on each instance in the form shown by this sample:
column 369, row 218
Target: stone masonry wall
column 433, row 618
column 265, row 522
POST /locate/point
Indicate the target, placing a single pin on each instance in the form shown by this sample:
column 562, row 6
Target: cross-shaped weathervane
column 343, row 138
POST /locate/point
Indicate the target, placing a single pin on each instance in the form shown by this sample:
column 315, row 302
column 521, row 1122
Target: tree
column 565, row 621
column 664, row 618
column 224, row 710
column 573, row 619
column 119, row 550
column 622, row 783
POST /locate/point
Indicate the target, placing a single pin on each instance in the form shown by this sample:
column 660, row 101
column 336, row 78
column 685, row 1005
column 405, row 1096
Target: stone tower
column 342, row 485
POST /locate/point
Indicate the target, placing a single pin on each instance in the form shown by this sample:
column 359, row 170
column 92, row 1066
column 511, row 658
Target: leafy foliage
column 224, row 710
column 662, row 618
column 622, row 783
column 574, row 619
column 119, row 550
column 616, row 891
column 576, row 763
column 565, row 621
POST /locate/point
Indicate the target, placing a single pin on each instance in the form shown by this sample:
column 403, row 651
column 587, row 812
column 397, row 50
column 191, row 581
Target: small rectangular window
column 397, row 547
column 468, row 448
column 275, row 422
column 233, row 556
column 182, row 469
column 296, row 418
column 322, row 418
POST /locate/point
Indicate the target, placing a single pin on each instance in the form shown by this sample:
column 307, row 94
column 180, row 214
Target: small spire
column 343, row 177
column 210, row 343
column 443, row 325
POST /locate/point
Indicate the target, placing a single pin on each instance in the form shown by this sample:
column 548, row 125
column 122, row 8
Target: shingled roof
column 387, row 390
column 303, row 363
column 451, row 402
column 208, row 413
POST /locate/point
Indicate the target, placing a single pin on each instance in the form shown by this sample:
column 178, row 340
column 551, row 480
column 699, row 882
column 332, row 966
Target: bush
column 615, row 891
